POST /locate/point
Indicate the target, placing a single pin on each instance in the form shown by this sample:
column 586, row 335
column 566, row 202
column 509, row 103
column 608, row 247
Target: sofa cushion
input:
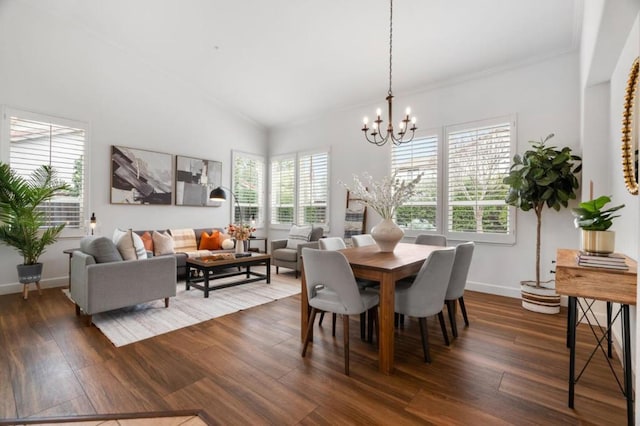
column 298, row 235
column 129, row 244
column 184, row 240
column 162, row 243
column 209, row 242
column 102, row 249
column 147, row 240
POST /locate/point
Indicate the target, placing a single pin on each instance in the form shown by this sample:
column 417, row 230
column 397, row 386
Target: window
column 409, row 160
column 300, row 189
column 248, row 186
column 36, row 140
column 478, row 158
column 461, row 191
column 283, row 174
column 313, row 189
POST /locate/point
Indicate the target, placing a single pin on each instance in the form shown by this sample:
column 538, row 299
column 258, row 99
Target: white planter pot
column 387, row 235
column 543, row 299
column 598, row 242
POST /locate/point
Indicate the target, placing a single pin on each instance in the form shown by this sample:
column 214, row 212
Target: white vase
column 387, row 235
column 240, row 247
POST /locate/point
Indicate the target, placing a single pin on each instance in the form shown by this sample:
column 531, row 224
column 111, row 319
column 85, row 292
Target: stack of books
column 610, row 261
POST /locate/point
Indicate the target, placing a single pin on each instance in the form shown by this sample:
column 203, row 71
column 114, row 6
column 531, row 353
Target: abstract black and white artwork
column 195, row 178
column 140, row 177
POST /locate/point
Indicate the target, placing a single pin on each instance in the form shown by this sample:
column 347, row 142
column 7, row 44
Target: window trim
column 5, row 147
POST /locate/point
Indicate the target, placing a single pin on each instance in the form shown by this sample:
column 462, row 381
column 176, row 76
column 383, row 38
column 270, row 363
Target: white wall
column 545, row 97
column 64, row 71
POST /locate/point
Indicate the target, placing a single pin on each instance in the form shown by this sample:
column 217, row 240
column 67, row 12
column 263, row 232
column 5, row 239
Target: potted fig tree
column 22, row 220
column 595, row 222
column 543, row 176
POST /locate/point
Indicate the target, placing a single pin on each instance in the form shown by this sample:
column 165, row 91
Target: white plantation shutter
column 249, row 188
column 39, row 140
column 313, row 189
column 478, row 158
column 283, row 175
column 409, row 160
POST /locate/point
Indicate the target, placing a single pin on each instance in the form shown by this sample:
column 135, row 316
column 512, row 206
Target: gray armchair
column 100, row 287
column 292, row 258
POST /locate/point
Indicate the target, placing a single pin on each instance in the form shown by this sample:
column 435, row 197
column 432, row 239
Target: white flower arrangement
column 383, row 197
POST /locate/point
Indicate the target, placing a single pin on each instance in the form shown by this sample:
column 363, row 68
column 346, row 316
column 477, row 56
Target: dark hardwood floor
column 509, row 367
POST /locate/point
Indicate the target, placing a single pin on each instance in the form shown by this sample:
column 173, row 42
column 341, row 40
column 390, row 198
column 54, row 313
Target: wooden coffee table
column 213, row 268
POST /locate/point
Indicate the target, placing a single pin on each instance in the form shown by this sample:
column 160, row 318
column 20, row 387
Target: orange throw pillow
column 210, row 242
column 147, row 241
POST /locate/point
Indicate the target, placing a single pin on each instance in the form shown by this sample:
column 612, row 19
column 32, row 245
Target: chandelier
column 375, row 134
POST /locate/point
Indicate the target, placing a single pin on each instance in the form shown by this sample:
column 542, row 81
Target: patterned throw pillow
column 298, row 235
column 210, row 242
column 184, row 240
column 129, row 244
column 162, row 243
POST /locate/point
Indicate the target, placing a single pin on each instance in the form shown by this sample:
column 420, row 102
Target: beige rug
column 139, row 322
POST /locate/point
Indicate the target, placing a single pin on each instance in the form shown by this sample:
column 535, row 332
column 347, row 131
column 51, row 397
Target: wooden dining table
column 370, row 263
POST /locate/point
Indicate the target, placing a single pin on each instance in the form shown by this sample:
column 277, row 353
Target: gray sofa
column 292, row 258
column 99, row 287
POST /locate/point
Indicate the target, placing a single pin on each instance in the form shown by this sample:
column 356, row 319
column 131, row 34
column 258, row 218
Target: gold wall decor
column 630, row 132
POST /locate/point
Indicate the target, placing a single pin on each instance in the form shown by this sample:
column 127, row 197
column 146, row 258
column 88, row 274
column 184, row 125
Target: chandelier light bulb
column 378, row 112
column 401, row 125
column 408, row 111
column 374, row 125
column 413, row 120
column 365, row 121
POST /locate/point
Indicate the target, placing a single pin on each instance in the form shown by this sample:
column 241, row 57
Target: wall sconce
column 93, row 222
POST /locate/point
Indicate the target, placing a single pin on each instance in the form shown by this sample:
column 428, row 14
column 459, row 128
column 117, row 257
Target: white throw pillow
column 129, row 244
column 298, row 235
column 162, row 243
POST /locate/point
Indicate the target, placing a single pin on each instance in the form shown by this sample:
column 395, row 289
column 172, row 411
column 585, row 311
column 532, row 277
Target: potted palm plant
column 542, row 176
column 22, row 220
column 595, row 222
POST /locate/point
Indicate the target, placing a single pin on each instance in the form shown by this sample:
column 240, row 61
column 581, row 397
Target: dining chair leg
column 451, row 309
column 345, row 322
column 375, row 319
column 425, row 338
column 321, row 318
column 464, row 311
column 396, row 319
column 370, row 324
column 363, row 324
column 443, row 327
column 333, row 324
column 308, row 332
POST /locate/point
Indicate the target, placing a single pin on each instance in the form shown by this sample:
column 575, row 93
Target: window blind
column 249, row 187
column 282, row 190
column 408, row 161
column 478, row 159
column 34, row 143
column 313, row 189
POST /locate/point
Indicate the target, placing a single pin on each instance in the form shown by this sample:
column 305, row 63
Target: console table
column 608, row 285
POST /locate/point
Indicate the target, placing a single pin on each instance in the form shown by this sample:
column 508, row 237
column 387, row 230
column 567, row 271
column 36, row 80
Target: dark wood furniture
column 386, row 268
column 213, row 269
column 608, row 285
column 264, row 241
column 69, row 252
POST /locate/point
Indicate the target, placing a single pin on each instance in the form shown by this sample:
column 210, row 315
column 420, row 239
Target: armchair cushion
column 102, row 249
column 286, row 254
column 298, row 235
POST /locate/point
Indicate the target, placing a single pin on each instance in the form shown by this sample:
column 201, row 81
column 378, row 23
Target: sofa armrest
column 278, row 244
column 115, row 285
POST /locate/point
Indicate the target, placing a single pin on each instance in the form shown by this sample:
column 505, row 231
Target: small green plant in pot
column 22, row 220
column 542, row 176
column 595, row 222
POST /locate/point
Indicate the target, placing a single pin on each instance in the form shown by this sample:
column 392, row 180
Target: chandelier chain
column 390, row 42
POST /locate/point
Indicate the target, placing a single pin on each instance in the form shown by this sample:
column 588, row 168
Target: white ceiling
column 278, row 61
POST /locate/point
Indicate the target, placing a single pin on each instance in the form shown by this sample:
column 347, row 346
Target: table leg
column 626, row 348
column 206, row 283
column 609, row 308
column 387, row 305
column 268, row 265
column 572, row 347
column 304, row 307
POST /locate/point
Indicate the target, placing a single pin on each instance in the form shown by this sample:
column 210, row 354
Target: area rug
column 139, row 322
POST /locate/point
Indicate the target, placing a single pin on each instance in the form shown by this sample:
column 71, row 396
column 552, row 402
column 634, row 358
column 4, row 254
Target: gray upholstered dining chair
column 424, row 296
column 362, row 240
column 331, row 287
column 431, row 240
column 457, row 283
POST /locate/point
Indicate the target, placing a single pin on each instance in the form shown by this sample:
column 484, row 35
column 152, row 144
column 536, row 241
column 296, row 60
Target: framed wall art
column 140, row 177
column 195, row 178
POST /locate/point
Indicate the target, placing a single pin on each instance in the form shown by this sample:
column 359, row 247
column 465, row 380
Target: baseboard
column 10, row 288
